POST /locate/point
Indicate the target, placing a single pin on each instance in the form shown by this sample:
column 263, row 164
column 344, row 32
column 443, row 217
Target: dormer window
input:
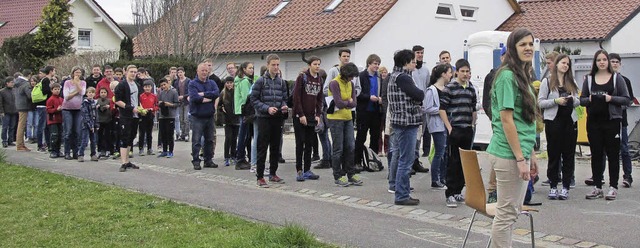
column 445, row 10
column 198, row 17
column 332, row 6
column 278, row 8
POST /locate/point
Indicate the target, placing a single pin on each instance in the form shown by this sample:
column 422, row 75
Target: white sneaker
column 611, row 195
column 451, row 202
column 553, row 194
column 253, row 169
column 564, row 194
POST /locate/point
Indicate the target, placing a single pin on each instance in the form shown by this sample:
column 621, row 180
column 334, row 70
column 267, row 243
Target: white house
column 93, row 28
column 602, row 25
column 294, row 29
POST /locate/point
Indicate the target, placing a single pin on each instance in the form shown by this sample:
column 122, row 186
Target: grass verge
column 42, row 209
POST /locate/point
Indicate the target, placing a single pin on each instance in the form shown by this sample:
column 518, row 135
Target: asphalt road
column 358, row 216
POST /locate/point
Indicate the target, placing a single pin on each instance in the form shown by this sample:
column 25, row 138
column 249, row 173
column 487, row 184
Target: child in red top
column 54, row 120
column 148, row 107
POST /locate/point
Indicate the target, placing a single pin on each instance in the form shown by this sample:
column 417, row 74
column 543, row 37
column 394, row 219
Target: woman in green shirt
column 514, row 111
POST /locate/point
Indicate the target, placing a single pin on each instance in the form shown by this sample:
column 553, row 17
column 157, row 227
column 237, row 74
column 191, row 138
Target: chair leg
column 533, row 238
column 466, row 236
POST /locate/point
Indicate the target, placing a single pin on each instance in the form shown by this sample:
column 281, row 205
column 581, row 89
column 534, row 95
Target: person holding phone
column 307, row 106
column 558, row 98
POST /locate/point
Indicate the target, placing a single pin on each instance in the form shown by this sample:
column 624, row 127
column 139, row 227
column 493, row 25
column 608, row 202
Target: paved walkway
column 358, row 216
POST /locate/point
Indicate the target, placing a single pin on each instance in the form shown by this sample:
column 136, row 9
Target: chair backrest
column 475, row 196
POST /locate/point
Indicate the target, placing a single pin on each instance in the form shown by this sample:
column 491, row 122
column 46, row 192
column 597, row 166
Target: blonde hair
column 91, row 89
column 382, row 68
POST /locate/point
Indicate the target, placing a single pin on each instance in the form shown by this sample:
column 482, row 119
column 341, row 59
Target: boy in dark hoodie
column 105, row 107
column 89, row 125
column 54, row 120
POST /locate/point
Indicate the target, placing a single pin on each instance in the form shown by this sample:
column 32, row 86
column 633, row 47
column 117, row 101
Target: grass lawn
column 42, row 209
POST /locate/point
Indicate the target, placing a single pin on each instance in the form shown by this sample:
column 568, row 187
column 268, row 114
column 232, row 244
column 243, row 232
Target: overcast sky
column 119, row 10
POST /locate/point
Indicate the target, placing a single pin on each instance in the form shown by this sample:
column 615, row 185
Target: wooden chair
column 475, row 195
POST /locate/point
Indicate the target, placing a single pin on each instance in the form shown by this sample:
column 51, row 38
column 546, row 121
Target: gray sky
column 119, row 10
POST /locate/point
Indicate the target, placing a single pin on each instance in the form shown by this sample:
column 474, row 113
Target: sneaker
column 94, row 158
column 67, row 157
column 300, row 176
column 132, row 166
column 451, row 202
column 391, row 190
column 5, row 144
column 251, row 170
column 408, row 202
column 141, row 153
column 281, row 160
column 53, row 155
column 611, row 195
column 546, row 182
column 315, row 157
column 553, row 194
column 210, row 164
column 342, row 181
column 324, row 164
column 437, row 185
column 150, row 152
column 123, row 168
column 626, row 183
column 275, row 179
column 162, row 155
column 493, row 197
column 226, row 162
column 595, row 193
column 564, row 194
column 169, row 155
column 310, row 175
column 81, row 159
column 243, row 166
column 196, row 165
column 42, row 149
column 262, row 183
column 459, row 197
column 232, row 161
column 355, row 180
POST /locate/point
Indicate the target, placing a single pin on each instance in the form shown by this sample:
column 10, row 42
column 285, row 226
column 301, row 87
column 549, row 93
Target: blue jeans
column 87, row 135
column 41, row 124
column 392, row 159
column 9, row 124
column 72, row 125
column 343, row 146
column 325, row 143
column 202, row 127
column 254, row 146
column 243, row 140
column 624, row 153
column 439, row 163
column 31, row 123
column 406, row 139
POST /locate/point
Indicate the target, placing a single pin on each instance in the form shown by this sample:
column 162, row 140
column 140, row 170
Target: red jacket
column 104, row 83
column 149, row 101
column 54, row 116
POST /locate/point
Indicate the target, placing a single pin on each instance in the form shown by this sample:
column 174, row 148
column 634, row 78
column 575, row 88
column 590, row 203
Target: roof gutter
column 337, row 44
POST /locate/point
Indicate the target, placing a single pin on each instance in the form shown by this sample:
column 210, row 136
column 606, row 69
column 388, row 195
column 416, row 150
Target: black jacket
column 365, row 95
column 123, row 93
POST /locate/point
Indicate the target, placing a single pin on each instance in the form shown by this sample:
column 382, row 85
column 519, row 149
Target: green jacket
column 242, row 88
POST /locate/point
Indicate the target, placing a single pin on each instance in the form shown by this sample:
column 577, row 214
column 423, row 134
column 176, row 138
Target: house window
column 468, row 13
column 445, row 10
column 279, row 7
column 333, row 5
column 84, row 38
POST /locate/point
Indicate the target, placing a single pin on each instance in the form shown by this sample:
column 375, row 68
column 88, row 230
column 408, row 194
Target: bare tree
column 192, row 29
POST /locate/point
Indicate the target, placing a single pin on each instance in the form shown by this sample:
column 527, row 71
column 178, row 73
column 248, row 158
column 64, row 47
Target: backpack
column 36, row 93
column 370, row 160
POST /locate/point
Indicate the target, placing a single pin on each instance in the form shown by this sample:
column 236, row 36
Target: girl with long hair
column 558, row 98
column 73, row 91
column 440, row 76
column 242, row 86
column 604, row 93
column 514, row 109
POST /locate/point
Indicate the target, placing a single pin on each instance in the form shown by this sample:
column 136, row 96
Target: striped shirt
column 459, row 103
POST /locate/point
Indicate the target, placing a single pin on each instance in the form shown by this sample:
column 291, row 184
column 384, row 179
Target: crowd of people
column 399, row 109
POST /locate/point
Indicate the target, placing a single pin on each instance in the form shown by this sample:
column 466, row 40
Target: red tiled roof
column 21, row 16
column 301, row 26
column 572, row 20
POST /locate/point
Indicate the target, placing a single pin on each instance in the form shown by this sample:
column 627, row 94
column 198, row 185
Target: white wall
column 412, row 22
column 622, row 41
column 102, row 37
column 587, row 48
column 290, row 63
